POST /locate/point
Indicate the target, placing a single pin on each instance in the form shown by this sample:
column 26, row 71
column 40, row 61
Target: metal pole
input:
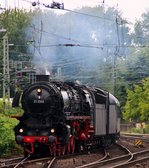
column 4, row 68
column 8, row 69
column 6, row 73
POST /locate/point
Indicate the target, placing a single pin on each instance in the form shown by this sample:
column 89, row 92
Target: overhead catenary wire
column 97, row 46
column 74, row 11
column 100, row 46
column 88, row 45
column 70, row 39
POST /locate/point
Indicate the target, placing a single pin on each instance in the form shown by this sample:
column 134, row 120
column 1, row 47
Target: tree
column 15, row 21
column 137, row 107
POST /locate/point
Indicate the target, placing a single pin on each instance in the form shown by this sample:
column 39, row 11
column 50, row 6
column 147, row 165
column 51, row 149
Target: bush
column 141, row 130
column 7, row 124
column 7, row 137
column 6, row 108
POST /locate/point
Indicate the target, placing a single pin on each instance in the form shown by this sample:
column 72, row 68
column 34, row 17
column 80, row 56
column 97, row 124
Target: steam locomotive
column 65, row 117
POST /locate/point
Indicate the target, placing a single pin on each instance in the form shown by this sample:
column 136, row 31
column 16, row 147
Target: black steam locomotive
column 65, row 117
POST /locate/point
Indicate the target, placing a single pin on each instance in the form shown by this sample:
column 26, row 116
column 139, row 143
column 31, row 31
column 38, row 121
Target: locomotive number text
column 38, row 101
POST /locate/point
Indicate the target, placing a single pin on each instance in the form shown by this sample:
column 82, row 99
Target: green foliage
column 7, row 138
column 137, row 106
column 7, row 123
column 15, row 21
column 140, row 130
column 137, row 130
column 147, row 129
column 7, row 110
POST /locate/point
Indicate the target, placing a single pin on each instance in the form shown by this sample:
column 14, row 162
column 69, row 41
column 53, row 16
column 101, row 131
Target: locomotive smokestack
column 42, row 78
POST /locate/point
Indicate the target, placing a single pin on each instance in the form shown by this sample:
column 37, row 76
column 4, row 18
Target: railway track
column 136, row 157
column 47, row 162
column 143, row 137
column 138, row 141
column 50, row 163
column 16, row 163
column 122, row 161
column 22, row 161
column 106, row 159
column 8, row 162
column 122, row 157
column 56, row 161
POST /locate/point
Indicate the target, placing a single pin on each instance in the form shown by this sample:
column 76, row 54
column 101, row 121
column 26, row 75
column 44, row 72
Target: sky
column 131, row 9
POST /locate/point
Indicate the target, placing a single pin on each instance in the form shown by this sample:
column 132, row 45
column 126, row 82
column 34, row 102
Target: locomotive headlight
column 52, row 130
column 39, row 91
column 21, row 130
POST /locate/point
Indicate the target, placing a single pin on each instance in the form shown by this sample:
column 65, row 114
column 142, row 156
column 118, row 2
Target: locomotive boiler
column 65, row 117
